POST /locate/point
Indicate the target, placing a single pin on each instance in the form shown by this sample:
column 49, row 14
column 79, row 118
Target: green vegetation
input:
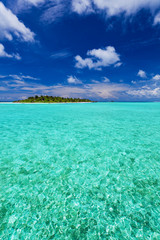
column 51, row 99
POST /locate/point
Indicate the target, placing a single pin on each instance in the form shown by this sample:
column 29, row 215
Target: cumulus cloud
column 4, row 54
column 98, row 58
column 11, row 26
column 114, row 7
column 141, row 74
column 106, row 80
column 82, row 6
column 73, row 80
column 157, row 18
column 156, row 77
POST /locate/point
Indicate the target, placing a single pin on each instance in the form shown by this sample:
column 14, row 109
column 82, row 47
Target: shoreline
column 41, row 103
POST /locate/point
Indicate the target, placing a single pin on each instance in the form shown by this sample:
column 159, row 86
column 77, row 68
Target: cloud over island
column 98, row 58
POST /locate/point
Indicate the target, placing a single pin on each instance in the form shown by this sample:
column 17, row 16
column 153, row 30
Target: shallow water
column 80, row 171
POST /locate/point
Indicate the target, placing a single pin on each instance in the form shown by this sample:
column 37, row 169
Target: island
column 51, row 99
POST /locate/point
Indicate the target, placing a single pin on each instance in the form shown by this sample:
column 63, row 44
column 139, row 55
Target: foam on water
column 80, row 171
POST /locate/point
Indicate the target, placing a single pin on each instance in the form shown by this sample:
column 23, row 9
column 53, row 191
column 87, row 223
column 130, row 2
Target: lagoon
column 80, row 171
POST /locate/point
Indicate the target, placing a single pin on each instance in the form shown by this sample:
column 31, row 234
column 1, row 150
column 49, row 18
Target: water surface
column 80, row 171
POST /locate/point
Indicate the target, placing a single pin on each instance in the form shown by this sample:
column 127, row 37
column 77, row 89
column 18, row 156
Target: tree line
column 51, row 99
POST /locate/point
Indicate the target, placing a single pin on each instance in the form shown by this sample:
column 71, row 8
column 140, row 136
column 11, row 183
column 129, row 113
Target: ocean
column 80, row 171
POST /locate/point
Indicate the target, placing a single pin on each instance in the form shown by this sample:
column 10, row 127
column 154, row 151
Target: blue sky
column 99, row 49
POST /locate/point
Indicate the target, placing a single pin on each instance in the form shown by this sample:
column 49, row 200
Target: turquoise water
column 80, row 171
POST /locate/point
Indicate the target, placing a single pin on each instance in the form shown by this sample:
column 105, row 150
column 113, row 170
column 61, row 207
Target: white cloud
column 146, row 92
column 55, row 10
column 3, row 89
column 10, row 25
column 106, row 80
column 29, row 77
column 18, row 6
column 133, row 82
column 53, row 13
column 98, row 58
column 157, row 18
column 106, row 90
column 2, row 76
column 32, row 2
column 61, row 54
column 156, row 77
column 129, row 7
column 95, row 90
column 18, row 82
column 18, row 77
column 114, row 7
column 4, row 54
column 17, row 86
column 82, row 6
column 21, row 77
column 141, row 74
column 146, row 89
column 95, row 81
column 118, row 64
column 73, row 80
column 52, row 10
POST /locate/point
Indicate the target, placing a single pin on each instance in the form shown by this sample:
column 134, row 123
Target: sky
column 98, row 49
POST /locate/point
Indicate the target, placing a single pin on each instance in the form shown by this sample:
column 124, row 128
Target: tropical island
column 51, row 99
